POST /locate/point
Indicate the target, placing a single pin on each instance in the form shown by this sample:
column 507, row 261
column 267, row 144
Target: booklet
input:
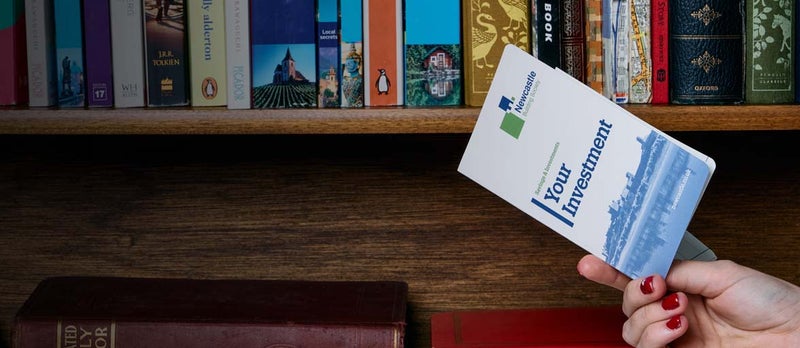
column 584, row 166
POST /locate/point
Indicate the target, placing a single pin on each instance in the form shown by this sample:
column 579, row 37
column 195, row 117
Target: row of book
column 101, row 312
column 354, row 53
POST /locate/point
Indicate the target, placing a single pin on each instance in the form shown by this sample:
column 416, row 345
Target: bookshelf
column 360, row 121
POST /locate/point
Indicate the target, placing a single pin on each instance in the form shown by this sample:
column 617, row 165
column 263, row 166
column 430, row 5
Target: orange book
column 383, row 53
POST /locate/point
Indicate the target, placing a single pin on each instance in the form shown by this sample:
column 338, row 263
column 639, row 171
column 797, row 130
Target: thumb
column 705, row 278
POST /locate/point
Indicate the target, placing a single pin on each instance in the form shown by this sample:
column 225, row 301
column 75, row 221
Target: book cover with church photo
column 591, row 171
column 283, row 42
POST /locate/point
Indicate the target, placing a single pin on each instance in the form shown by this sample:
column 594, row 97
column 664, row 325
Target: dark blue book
column 283, row 41
column 329, row 69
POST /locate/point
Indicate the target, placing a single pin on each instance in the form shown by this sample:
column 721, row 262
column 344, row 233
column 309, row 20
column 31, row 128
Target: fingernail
column 674, row 323
column 670, row 302
column 647, row 285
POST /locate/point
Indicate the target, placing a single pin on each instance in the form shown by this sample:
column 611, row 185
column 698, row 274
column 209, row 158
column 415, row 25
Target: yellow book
column 207, row 65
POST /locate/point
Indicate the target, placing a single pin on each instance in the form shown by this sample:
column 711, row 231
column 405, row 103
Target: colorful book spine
column 13, row 66
column 433, row 57
column 352, row 49
column 69, row 53
column 166, row 69
column 620, row 11
column 706, row 51
column 548, row 32
column 207, row 67
column 97, row 38
column 534, row 38
column 328, row 55
column 609, row 50
column 660, row 51
column 42, row 71
column 641, row 67
column 487, row 27
column 383, row 53
column 127, row 53
column 283, row 43
column 573, row 39
column 594, row 45
column 237, row 40
column 769, row 64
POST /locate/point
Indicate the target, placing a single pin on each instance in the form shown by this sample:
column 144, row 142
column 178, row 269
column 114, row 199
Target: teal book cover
column 284, row 51
column 328, row 68
column 69, row 53
column 433, row 58
column 351, row 39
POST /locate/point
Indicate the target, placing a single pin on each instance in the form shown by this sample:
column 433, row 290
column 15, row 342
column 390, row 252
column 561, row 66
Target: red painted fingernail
column 647, row 285
column 674, row 323
column 670, row 302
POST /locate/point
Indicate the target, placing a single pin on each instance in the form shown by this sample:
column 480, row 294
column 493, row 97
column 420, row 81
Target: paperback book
column 591, row 171
column 352, row 50
column 13, row 69
column 97, row 34
column 69, row 53
column 660, row 46
column 127, row 53
column 328, row 55
column 207, row 68
column 237, row 40
column 167, row 70
column 42, row 70
column 769, row 62
column 383, row 53
column 641, row 67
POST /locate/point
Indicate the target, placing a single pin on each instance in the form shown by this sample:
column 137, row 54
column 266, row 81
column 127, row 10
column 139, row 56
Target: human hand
column 704, row 304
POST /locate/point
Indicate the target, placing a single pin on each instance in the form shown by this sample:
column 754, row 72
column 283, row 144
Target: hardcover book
column 529, row 327
column 640, row 58
column 433, row 57
column 167, row 69
column 615, row 43
column 534, row 36
column 284, row 51
column 328, row 55
column 13, row 66
column 352, row 50
column 660, row 47
column 207, row 67
column 97, row 36
column 548, row 33
column 487, row 27
column 706, row 51
column 770, row 62
column 383, row 53
column 237, row 40
column 140, row 312
column 69, row 53
column 573, row 39
column 127, row 53
column 594, row 45
column 42, row 70
column 591, row 171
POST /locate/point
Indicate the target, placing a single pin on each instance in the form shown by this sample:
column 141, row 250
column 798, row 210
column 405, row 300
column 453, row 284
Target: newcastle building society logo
column 511, row 124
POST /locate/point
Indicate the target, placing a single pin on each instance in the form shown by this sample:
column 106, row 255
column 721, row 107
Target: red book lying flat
column 529, row 328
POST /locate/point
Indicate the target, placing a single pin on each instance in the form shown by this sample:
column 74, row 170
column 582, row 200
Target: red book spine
column 13, row 68
column 573, row 39
column 660, row 50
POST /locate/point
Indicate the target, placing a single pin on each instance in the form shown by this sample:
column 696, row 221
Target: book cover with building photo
column 69, row 53
column 351, row 39
column 283, row 42
column 433, row 57
column 328, row 53
column 165, row 53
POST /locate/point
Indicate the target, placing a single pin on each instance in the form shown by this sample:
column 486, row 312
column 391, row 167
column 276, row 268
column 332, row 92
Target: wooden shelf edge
column 360, row 121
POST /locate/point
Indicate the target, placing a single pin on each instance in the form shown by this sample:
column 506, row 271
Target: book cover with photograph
column 69, row 53
column 127, row 53
column 207, row 67
column 167, row 71
column 328, row 55
column 97, row 36
column 591, row 171
column 352, row 50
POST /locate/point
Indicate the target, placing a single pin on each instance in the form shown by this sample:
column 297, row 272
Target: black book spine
column 548, row 17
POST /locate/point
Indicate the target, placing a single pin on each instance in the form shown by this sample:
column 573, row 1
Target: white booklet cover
column 584, row 166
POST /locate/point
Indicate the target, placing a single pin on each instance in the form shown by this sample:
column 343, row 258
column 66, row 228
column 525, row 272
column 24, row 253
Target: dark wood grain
column 359, row 121
column 324, row 207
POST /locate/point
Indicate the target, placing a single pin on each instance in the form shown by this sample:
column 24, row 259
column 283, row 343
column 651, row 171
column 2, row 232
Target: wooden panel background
column 336, row 207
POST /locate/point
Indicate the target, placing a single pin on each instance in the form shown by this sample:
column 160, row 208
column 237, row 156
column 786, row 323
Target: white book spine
column 41, row 52
column 127, row 53
column 237, row 24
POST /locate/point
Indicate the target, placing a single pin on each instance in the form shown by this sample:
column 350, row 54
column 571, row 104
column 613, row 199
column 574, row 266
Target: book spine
column 706, row 51
column 432, row 57
column 608, row 50
column 383, row 53
column 68, row 332
column 13, row 68
column 69, row 53
column 42, row 80
column 207, row 67
column 573, row 39
column 769, row 64
column 548, row 22
column 594, row 45
column 796, row 61
column 489, row 26
column 352, row 49
column 328, row 66
column 620, row 11
column 127, row 53
column 283, row 43
column 660, row 46
column 165, row 53
column 97, row 36
column 534, row 24
column 237, row 41
column 641, row 67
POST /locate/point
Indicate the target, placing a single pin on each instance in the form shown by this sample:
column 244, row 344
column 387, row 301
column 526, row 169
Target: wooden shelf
column 359, row 121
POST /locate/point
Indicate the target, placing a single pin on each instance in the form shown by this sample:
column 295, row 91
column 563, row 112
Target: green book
column 768, row 53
